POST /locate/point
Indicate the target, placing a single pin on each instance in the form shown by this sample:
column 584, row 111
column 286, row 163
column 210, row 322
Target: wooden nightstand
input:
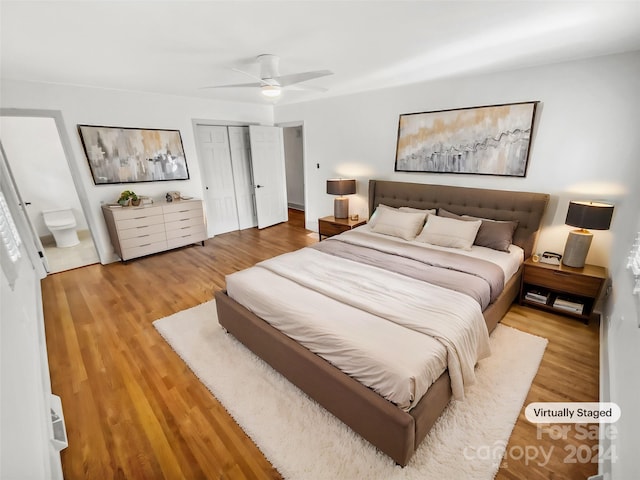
column 561, row 289
column 330, row 226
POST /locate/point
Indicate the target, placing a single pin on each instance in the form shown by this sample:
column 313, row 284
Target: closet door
column 222, row 211
column 242, row 176
column 267, row 161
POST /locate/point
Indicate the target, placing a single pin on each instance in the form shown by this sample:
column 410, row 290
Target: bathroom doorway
column 39, row 165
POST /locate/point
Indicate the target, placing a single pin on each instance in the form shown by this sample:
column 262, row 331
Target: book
column 537, row 296
column 568, row 305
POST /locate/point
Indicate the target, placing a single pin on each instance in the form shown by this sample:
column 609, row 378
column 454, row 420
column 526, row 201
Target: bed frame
column 394, row 431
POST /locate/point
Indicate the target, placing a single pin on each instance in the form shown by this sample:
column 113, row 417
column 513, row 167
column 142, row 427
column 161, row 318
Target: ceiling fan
column 271, row 82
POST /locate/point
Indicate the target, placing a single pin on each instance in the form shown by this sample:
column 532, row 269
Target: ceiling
column 178, row 47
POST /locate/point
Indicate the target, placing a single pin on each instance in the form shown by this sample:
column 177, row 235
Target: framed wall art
column 488, row 140
column 131, row 155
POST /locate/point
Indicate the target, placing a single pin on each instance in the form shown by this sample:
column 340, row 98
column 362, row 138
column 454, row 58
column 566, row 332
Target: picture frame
column 483, row 140
column 133, row 155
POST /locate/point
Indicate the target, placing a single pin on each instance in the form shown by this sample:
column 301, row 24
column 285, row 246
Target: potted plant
column 128, row 198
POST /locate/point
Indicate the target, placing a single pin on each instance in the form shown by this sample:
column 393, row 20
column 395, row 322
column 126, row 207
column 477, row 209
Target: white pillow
column 431, row 211
column 390, row 221
column 376, row 213
column 449, row 232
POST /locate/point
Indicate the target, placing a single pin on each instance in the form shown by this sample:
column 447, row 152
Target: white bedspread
column 414, row 330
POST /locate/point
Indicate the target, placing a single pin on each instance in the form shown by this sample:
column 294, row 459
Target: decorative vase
column 135, row 202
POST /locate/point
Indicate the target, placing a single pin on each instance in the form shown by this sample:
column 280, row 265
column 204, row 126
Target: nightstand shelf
column 330, row 226
column 560, row 289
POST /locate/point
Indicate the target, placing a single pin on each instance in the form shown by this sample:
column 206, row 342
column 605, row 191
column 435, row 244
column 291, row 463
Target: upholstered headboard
column 525, row 207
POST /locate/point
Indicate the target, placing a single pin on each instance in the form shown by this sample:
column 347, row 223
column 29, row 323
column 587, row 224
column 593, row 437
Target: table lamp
column 341, row 187
column 583, row 215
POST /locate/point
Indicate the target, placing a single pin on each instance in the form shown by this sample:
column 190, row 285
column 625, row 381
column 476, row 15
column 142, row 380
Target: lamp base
column 576, row 248
column 341, row 207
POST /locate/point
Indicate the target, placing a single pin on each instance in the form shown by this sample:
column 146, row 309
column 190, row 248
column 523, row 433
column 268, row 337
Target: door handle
column 258, row 186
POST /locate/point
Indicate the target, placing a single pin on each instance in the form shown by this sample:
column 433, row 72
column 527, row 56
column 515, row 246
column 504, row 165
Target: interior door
column 267, row 162
column 242, row 176
column 219, row 191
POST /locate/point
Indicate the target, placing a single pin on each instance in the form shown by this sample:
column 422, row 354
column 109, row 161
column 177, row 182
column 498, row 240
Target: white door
column 220, row 197
column 267, row 161
column 242, row 176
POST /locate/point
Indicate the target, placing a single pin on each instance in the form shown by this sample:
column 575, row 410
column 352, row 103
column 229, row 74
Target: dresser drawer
column 140, row 221
column 182, row 215
column 563, row 281
column 126, row 213
column 145, row 249
column 185, row 222
column 143, row 239
column 183, row 206
column 140, row 230
column 185, row 239
column 197, row 229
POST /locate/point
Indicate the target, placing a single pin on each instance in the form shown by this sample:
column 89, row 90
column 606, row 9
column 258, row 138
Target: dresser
column 139, row 231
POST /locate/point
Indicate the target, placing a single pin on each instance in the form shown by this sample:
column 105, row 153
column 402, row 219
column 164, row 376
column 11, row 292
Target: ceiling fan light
column 271, row 91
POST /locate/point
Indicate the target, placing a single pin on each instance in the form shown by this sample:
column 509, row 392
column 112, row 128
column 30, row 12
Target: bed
column 394, row 428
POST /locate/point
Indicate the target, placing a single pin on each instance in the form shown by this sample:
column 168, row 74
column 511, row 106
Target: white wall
column 581, row 136
column 40, row 168
column 585, row 146
column 80, row 105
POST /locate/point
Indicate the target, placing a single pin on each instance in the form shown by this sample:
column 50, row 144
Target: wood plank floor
column 135, row 411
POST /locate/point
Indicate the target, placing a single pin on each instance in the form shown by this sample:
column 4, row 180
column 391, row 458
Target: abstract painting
column 488, row 140
column 130, row 155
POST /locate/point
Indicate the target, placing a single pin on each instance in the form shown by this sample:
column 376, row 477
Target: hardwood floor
column 134, row 410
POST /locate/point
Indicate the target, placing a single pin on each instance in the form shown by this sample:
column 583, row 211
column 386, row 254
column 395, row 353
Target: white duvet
column 392, row 333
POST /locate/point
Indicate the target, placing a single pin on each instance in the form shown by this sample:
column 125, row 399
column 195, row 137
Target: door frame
column 76, row 177
column 305, row 179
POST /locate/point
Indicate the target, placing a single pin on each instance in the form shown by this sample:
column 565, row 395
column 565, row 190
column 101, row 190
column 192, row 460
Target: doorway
column 39, row 166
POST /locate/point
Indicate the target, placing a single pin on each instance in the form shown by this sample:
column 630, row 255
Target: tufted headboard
column 525, row 207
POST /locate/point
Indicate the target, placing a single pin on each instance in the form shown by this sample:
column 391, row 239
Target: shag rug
column 303, row 441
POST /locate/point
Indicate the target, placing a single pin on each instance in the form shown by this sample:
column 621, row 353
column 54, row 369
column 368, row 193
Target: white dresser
column 139, row 231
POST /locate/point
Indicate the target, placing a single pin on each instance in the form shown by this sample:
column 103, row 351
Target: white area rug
column 303, row 441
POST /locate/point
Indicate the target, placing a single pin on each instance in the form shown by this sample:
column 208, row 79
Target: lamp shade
column 341, row 187
column 594, row 215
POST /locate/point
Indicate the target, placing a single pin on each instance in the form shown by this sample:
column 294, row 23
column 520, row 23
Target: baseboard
column 296, row 206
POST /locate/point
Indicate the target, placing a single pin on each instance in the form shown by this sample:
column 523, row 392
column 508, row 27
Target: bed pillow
column 431, row 211
column 390, row 221
column 494, row 234
column 374, row 218
column 449, row 232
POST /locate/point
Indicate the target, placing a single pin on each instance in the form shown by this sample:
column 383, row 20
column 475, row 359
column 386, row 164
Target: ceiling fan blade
column 307, row 88
column 285, row 80
column 237, row 85
column 255, row 77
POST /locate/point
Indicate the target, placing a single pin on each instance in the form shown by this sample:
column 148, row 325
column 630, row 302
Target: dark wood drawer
column 563, row 281
column 328, row 229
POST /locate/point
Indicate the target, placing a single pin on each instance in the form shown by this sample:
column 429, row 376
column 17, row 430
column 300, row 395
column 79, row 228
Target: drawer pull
column 144, row 245
column 562, row 274
column 184, row 228
column 143, row 226
column 138, row 218
column 142, row 236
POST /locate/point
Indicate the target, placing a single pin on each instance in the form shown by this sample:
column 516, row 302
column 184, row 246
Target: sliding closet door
column 222, row 211
column 267, row 161
column 242, row 176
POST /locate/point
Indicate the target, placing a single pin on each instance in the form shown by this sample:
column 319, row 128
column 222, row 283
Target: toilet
column 62, row 224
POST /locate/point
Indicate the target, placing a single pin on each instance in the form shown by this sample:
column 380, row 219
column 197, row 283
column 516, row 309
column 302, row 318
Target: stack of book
column 537, row 296
column 568, row 305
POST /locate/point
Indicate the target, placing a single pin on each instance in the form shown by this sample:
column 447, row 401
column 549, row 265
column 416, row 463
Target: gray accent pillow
column 494, row 234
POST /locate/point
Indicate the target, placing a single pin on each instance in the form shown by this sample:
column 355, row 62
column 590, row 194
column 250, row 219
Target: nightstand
column 561, row 289
column 330, row 226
